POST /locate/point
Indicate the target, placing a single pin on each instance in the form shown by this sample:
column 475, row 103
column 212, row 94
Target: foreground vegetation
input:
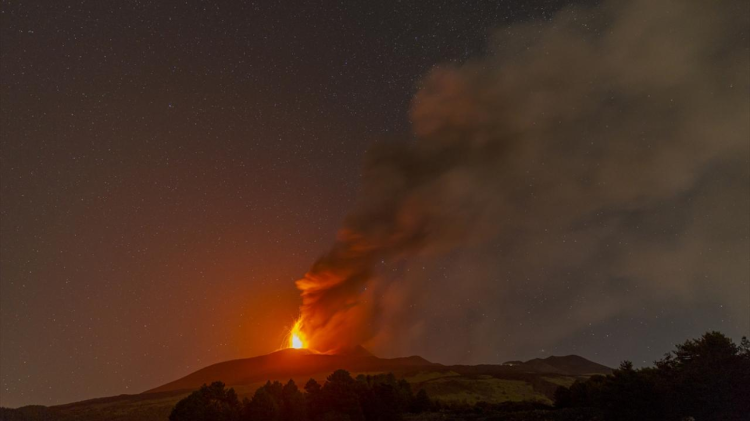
column 378, row 397
column 703, row 379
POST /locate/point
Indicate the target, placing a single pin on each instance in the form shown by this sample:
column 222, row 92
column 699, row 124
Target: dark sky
column 169, row 171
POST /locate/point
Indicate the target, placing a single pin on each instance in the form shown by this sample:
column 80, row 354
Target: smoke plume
column 603, row 151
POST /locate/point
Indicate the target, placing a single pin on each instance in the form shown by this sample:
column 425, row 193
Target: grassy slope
column 565, row 381
column 475, row 388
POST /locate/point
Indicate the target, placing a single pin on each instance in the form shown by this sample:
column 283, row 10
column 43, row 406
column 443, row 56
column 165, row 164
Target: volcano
column 293, row 363
column 533, row 380
column 302, row 364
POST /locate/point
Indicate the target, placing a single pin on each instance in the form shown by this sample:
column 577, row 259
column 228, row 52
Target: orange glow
column 296, row 337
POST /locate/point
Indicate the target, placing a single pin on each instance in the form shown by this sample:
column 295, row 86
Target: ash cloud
column 584, row 168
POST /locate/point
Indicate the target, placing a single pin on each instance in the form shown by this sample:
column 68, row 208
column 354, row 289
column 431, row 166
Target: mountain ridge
column 298, row 363
column 565, row 364
column 533, row 380
column 289, row 363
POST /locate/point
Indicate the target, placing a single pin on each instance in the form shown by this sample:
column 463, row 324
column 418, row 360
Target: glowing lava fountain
column 296, row 337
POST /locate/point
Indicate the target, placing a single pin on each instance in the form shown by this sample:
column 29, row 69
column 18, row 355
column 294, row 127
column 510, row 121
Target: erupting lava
column 296, row 337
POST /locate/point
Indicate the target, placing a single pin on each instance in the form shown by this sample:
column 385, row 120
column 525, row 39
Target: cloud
column 596, row 161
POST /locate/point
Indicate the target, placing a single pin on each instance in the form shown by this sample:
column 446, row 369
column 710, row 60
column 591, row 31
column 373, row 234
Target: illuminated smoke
column 578, row 127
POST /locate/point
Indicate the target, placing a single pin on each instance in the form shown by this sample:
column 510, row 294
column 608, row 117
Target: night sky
column 169, row 171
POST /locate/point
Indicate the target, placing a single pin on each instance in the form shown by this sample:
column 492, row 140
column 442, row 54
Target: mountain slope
column 569, row 365
column 301, row 363
column 533, row 380
column 291, row 363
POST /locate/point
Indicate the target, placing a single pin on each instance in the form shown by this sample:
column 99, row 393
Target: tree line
column 367, row 398
column 703, row 379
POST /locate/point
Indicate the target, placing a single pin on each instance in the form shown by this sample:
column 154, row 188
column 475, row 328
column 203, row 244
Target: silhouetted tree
column 709, row 378
column 378, row 398
column 312, row 387
column 706, row 378
column 338, row 396
column 369, row 398
column 293, row 408
column 263, row 406
column 209, row 403
column 582, row 393
column 631, row 395
column 421, row 403
column 313, row 399
column 563, row 397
